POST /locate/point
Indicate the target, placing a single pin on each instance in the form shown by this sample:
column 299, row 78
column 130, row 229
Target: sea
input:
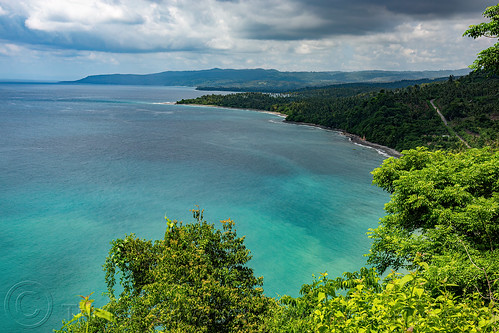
column 81, row 165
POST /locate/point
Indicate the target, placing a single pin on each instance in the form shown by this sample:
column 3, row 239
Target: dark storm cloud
column 354, row 17
column 437, row 8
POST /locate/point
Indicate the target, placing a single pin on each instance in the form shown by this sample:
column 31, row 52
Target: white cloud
column 433, row 44
column 126, row 25
column 77, row 15
column 9, row 49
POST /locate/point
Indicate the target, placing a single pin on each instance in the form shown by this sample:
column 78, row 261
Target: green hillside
column 398, row 115
column 263, row 80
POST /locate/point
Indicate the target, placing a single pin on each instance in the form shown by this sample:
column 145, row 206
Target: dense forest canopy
column 444, row 208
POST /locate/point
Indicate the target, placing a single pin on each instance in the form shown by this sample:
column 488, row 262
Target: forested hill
column 263, row 80
column 397, row 117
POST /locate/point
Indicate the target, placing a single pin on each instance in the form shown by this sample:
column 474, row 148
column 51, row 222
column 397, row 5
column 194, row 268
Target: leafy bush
column 399, row 303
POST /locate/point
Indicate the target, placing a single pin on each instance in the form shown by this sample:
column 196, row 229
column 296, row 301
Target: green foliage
column 248, row 100
column 90, row 318
column 445, row 209
column 193, row 280
column 400, row 303
column 487, row 59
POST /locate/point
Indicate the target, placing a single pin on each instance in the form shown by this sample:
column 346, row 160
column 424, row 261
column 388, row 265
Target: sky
column 70, row 39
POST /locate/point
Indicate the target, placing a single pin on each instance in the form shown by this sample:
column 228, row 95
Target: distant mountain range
column 261, row 79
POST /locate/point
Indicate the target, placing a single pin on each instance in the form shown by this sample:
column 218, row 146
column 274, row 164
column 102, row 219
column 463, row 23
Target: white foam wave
column 379, row 151
column 164, row 103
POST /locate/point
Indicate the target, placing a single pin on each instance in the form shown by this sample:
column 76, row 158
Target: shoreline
column 233, row 108
column 389, row 152
column 355, row 139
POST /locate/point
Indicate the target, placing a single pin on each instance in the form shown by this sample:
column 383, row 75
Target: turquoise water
column 82, row 165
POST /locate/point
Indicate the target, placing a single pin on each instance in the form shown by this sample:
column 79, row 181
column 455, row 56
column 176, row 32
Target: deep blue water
column 82, row 165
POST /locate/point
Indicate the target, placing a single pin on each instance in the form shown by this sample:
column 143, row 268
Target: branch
column 489, row 285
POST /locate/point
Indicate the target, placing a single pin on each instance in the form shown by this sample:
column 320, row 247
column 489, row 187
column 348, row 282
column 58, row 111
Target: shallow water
column 82, row 165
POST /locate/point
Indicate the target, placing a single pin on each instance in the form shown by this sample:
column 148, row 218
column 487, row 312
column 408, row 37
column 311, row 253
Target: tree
column 444, row 209
column 488, row 59
column 193, row 280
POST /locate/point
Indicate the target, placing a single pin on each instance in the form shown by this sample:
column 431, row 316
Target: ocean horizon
column 81, row 165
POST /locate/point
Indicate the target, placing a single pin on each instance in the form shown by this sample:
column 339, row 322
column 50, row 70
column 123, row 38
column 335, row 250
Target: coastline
column 232, row 108
column 355, row 139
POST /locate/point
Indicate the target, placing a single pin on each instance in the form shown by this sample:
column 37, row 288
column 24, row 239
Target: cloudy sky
column 70, row 39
